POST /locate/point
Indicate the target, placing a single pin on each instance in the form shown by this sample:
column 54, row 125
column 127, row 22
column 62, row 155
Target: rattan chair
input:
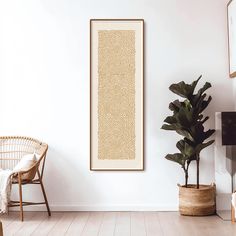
column 12, row 149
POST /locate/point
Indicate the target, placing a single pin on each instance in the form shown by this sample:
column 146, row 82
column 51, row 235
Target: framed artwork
column 232, row 37
column 116, row 94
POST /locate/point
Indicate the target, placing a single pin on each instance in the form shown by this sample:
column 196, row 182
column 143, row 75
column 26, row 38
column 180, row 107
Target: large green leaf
column 208, row 133
column 184, row 117
column 182, row 89
column 197, row 132
column 204, row 88
column 200, row 117
column 185, row 148
column 175, row 105
column 170, row 127
column 185, row 133
column 180, row 145
column 205, row 119
column 195, row 98
column 194, row 83
column 201, row 146
column 176, row 157
column 170, row 120
column 204, row 104
column 198, row 104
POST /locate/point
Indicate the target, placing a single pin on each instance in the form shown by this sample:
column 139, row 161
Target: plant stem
column 186, row 175
column 186, row 178
column 198, row 161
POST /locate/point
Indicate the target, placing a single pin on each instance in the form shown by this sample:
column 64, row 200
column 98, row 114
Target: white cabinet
column 223, row 170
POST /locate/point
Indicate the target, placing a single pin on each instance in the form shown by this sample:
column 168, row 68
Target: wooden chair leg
column 232, row 214
column 20, row 196
column 44, row 194
column 1, row 230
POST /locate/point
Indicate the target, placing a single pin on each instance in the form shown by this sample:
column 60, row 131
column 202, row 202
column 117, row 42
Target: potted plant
column 188, row 121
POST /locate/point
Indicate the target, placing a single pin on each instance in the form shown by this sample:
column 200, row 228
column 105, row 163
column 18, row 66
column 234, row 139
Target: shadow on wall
column 66, row 176
column 63, row 178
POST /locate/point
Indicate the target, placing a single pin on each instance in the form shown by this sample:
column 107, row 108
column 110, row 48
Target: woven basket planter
column 197, row 202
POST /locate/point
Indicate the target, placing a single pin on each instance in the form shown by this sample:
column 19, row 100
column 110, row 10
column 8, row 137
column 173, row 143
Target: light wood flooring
column 115, row 223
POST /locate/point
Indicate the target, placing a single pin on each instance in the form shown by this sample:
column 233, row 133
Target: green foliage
column 188, row 121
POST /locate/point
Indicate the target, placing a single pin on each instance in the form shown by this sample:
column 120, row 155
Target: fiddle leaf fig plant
column 187, row 120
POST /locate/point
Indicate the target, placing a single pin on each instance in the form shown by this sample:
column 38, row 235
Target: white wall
column 44, row 92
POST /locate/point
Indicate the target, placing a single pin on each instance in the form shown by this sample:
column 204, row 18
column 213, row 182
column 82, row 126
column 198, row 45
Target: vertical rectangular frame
column 141, row 21
column 232, row 74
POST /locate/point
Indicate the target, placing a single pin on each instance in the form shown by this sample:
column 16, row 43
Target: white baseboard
column 100, row 208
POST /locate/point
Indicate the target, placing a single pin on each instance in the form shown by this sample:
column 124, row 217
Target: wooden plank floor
column 115, row 223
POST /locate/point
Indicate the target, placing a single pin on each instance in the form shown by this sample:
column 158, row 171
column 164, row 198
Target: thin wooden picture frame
column 231, row 26
column 106, row 25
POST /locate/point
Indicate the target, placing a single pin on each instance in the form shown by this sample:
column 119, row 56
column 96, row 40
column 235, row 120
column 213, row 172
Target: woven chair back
column 13, row 148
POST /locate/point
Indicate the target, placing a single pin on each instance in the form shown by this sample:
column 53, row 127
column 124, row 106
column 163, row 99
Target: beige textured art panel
column 116, row 94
